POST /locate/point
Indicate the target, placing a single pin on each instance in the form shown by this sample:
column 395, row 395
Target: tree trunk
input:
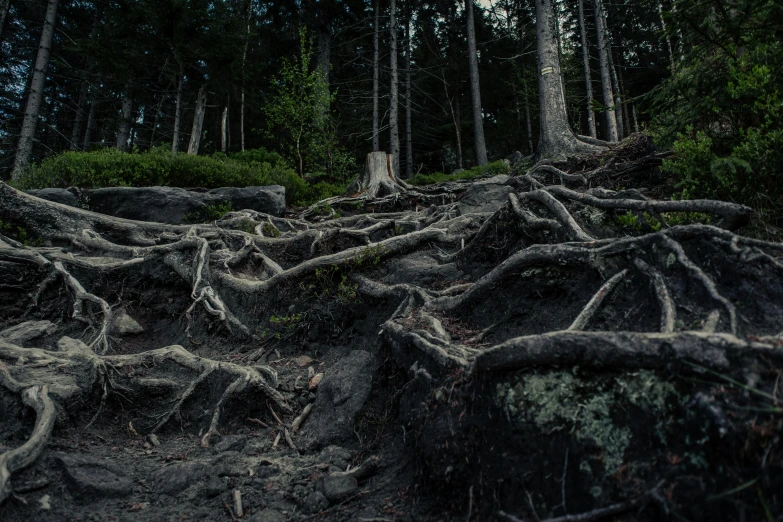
column 3, row 14
column 623, row 94
column 528, row 123
column 198, row 120
column 408, row 133
column 666, row 35
column 224, row 130
column 90, row 125
column 458, row 127
column 588, row 77
column 606, row 75
column 242, row 94
column 33, row 108
column 79, row 117
column 378, row 179
column 475, row 90
column 618, row 101
column 376, row 64
column 325, row 50
column 635, row 120
column 556, row 136
column 123, row 131
column 178, row 112
column 394, row 133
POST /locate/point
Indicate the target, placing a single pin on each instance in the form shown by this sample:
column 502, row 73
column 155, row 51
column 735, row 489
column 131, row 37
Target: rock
column 515, row 158
column 58, row 195
column 88, row 477
column 270, row 199
column 315, row 502
column 231, row 443
column 269, row 515
column 159, row 204
column 488, row 195
column 257, row 446
column 27, row 331
column 341, row 395
column 457, row 171
column 229, row 464
column 336, row 455
column 338, row 487
column 123, row 324
column 177, row 477
column 213, row 487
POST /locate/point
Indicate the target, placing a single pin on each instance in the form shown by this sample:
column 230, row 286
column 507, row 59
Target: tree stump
column 378, row 179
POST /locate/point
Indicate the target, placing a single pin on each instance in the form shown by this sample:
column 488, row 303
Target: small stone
column 45, row 502
column 214, row 487
column 303, row 400
column 311, row 397
column 177, row 477
column 315, row 502
column 335, row 455
column 231, row 443
column 89, row 477
column 303, row 360
column 340, row 487
column 147, row 445
column 123, row 324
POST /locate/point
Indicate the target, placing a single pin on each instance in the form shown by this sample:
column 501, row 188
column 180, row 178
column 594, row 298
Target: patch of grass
column 491, row 169
column 211, row 213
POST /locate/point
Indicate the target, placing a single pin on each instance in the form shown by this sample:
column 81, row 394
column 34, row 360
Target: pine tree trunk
column 376, row 64
column 178, row 111
column 528, row 123
column 3, row 14
column 606, row 75
column 35, row 98
column 224, row 130
column 408, row 133
column 79, row 117
column 242, row 94
column 378, row 179
column 624, row 94
column 668, row 40
column 90, row 125
column 556, row 136
column 458, row 128
column 123, row 130
column 618, row 101
column 588, row 77
column 198, row 120
column 394, row 133
column 475, row 90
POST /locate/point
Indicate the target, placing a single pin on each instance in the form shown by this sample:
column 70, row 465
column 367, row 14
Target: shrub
column 490, row 169
column 111, row 168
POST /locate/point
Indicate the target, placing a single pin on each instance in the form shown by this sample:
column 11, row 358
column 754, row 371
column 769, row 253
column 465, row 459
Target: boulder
column 58, row 195
column 488, row 195
column 27, row 331
column 336, row 456
column 159, row 204
column 515, row 158
column 88, row 477
column 315, row 502
column 270, row 200
column 339, row 487
column 341, row 395
column 123, row 324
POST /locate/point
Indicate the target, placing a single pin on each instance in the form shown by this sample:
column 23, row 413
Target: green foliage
column 112, row 168
column 722, row 109
column 628, row 219
column 209, row 214
column 490, row 169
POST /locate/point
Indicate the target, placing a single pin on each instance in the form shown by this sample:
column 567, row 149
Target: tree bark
column 3, row 14
column 79, row 117
column 376, row 64
column 90, row 124
column 623, row 94
column 123, row 131
column 666, row 35
column 556, row 137
column 242, row 94
column 198, row 120
column 606, row 75
column 178, row 111
column 34, row 100
column 408, row 133
column 588, row 77
column 528, row 123
column 618, row 101
column 224, row 130
column 378, row 179
column 394, row 133
column 475, row 90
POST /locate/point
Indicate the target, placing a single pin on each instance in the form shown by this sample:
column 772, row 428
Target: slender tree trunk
column 90, row 124
column 158, row 111
column 242, row 94
column 394, row 133
column 624, row 94
column 588, row 77
column 198, row 120
column 123, row 131
column 666, row 35
column 178, row 111
column 325, row 54
column 618, row 101
column 475, row 89
column 458, row 127
column 79, row 117
column 224, row 130
column 3, row 14
column 408, row 133
column 34, row 100
column 528, row 123
column 556, row 137
column 376, row 64
column 606, row 75
column 455, row 116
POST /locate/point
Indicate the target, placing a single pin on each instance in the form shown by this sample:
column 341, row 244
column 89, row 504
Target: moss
column 584, row 407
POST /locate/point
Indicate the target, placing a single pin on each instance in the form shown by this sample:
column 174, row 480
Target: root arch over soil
column 567, row 272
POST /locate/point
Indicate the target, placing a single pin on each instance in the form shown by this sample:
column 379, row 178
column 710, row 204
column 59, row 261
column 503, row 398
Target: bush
column 112, row 168
column 490, row 169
